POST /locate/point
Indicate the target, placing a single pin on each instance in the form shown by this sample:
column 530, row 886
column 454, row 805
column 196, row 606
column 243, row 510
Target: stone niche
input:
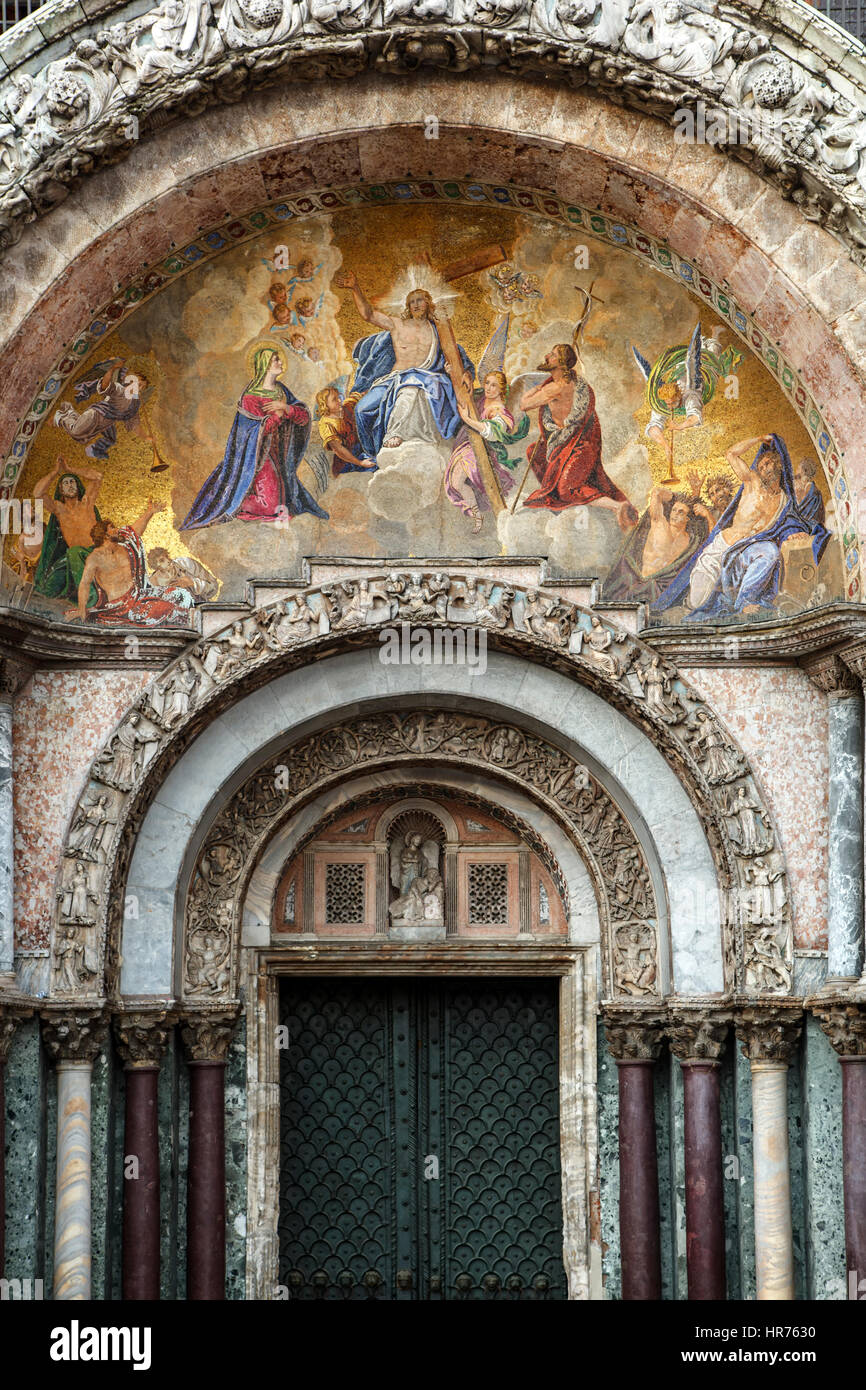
column 415, row 869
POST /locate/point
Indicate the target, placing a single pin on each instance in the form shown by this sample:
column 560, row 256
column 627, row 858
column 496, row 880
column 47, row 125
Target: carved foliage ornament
column 267, row 798
column 88, row 106
column 623, row 669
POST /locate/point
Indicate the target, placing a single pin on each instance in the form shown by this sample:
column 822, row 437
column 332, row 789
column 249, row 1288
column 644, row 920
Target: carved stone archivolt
column 791, row 117
column 222, row 668
column 604, row 836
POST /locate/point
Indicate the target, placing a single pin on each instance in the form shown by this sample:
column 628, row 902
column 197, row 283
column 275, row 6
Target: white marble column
column 769, row 1035
column 74, row 1040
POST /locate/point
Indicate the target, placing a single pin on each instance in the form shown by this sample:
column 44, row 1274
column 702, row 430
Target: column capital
column 207, row 1035
column 769, row 1033
column 830, row 674
column 9, row 1018
column 13, row 675
column 854, row 658
column 844, row 1023
column 141, row 1036
column 634, row 1034
column 698, row 1036
column 74, row 1035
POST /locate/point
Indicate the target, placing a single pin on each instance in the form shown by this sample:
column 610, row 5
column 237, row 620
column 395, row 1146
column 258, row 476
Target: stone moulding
column 785, row 88
column 534, row 622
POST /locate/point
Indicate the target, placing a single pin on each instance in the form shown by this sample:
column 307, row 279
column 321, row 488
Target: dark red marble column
column 206, row 1038
column 854, row 1170
column 141, row 1193
column 634, row 1039
column 705, row 1209
column 638, row 1182
column 141, row 1039
column 206, row 1190
column 697, row 1039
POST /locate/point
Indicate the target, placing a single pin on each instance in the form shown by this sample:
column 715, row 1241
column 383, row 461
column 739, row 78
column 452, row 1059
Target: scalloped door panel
column 420, row 1141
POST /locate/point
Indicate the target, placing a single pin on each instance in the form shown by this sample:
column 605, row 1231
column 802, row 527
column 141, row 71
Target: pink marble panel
column 780, row 720
column 62, row 718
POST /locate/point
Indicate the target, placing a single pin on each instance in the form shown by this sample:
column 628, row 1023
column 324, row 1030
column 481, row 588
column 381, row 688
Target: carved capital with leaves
column 698, row 1037
column 769, row 1034
column 845, row 1026
column 634, row 1035
column 74, row 1035
column 207, row 1036
column 141, row 1037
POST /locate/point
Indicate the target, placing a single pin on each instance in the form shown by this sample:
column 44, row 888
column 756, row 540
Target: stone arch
column 565, row 794
column 172, row 726
column 555, row 849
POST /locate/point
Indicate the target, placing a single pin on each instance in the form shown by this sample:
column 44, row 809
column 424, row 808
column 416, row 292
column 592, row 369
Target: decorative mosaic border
column 463, row 192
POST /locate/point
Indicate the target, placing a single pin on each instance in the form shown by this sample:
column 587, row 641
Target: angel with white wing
column 464, row 485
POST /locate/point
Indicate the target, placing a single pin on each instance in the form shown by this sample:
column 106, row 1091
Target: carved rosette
column 634, row 1035
column 77, row 1035
column 769, row 1033
column 698, row 1037
column 230, row 850
column 757, row 927
column 208, row 1036
column 141, row 1037
column 844, row 1025
column 88, row 105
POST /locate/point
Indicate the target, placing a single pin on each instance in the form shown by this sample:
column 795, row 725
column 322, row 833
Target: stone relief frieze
column 154, row 732
column 793, row 118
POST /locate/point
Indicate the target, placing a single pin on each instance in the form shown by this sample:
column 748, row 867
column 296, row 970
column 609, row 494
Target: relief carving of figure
column 635, row 959
column 416, row 877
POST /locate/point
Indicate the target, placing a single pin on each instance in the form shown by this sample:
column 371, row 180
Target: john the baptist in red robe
column 566, row 460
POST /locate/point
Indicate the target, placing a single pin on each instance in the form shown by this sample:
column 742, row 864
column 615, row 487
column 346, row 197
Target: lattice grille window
column 488, row 894
column 344, row 893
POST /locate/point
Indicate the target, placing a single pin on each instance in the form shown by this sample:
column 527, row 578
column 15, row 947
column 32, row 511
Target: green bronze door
column 420, row 1140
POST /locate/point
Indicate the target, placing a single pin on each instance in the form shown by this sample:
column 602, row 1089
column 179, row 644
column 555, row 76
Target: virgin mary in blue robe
column 752, row 568
column 379, row 385
column 258, row 479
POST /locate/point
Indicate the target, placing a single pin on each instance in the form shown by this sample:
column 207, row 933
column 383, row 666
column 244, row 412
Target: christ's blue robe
column 376, row 379
column 752, row 567
column 224, row 491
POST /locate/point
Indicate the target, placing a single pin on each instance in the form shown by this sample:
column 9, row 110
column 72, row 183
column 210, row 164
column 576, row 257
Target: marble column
column 7, row 1028
column 769, row 1033
column 206, row 1040
column 842, row 681
column 845, row 1025
column 73, row 1039
column 698, row 1041
column 141, row 1039
column 634, row 1040
column 12, row 677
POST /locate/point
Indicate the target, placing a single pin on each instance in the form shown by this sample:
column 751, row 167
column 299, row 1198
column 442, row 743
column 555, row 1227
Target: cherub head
column 281, row 313
column 306, row 307
column 277, row 292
